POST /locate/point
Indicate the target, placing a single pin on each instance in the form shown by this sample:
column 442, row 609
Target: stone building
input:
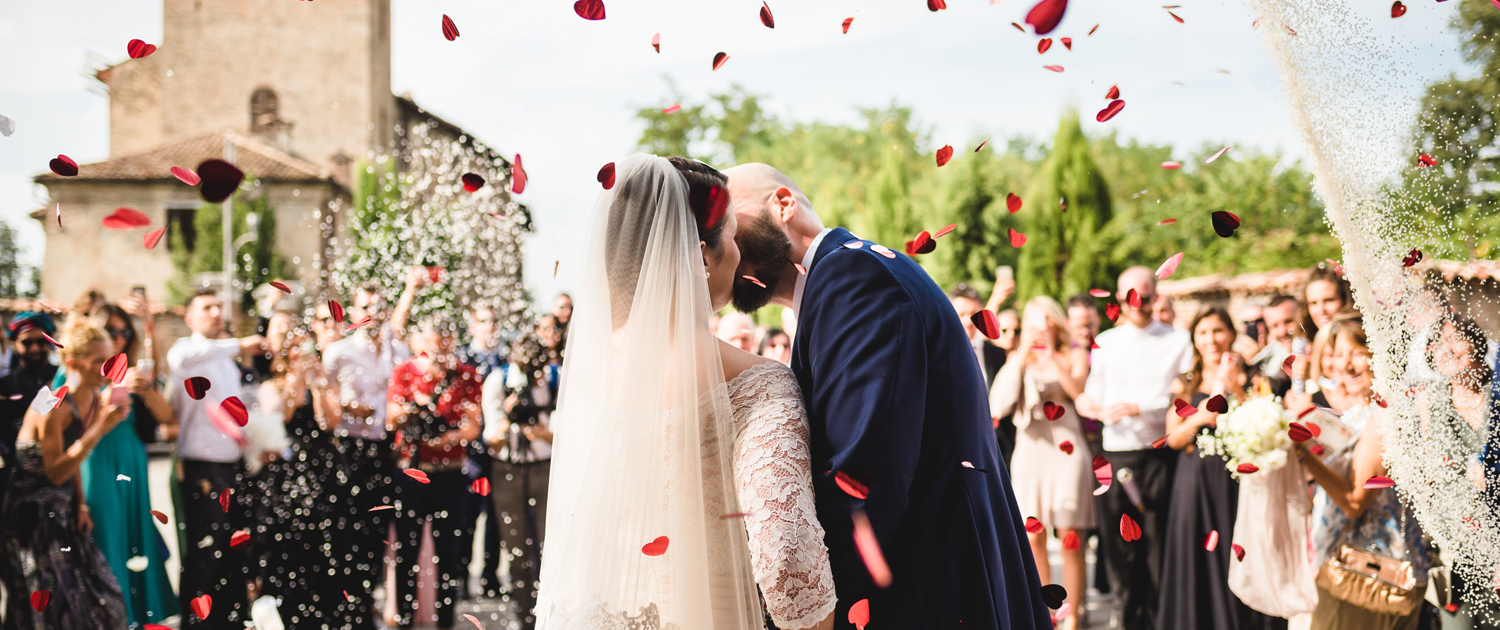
column 294, row 93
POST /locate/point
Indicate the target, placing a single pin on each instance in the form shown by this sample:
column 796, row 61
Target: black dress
column 1195, row 582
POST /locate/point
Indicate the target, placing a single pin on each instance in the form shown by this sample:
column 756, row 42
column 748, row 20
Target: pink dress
column 1050, row 484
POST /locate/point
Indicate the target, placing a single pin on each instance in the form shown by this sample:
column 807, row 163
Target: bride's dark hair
column 707, row 196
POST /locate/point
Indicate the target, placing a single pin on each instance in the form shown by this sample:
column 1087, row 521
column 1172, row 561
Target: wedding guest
column 1324, row 387
column 1129, row 390
column 991, row 356
column 1283, row 332
column 114, row 476
column 738, row 330
column 31, row 369
column 1255, row 332
column 326, row 332
column 1348, row 513
column 1046, row 373
column 1083, row 320
column 486, row 356
column 434, row 402
column 777, row 346
column 562, row 309
column 1325, row 295
column 209, row 467
column 1195, row 581
column 359, row 369
column 48, row 524
column 1162, row 310
column 517, row 409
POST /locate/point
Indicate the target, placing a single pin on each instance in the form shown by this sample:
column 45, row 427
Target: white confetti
column 7, row 126
column 208, row 541
column 138, row 563
column 45, row 401
column 122, row 478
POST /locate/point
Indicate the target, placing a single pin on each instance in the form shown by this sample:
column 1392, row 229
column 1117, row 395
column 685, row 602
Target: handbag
column 1376, row 583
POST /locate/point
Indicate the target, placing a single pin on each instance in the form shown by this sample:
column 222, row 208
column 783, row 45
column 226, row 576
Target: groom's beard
column 765, row 252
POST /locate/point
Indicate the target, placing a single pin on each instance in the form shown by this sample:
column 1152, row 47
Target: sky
column 533, row 78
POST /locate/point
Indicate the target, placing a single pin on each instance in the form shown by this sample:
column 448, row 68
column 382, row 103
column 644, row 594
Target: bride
column 681, row 477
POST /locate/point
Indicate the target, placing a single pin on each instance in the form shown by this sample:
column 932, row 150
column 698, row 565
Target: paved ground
column 496, row 614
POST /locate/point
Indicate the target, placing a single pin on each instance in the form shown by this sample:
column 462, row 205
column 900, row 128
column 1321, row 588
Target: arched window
column 263, row 109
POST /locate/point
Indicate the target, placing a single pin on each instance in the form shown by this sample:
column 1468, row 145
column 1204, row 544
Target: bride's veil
column 643, row 443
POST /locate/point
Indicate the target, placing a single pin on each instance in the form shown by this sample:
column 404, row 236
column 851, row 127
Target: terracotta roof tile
column 250, row 155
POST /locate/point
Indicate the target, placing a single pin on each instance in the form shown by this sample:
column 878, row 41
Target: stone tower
column 311, row 79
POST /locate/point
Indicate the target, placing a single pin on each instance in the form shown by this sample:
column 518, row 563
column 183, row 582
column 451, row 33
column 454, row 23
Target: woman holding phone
column 114, row 474
column 47, row 522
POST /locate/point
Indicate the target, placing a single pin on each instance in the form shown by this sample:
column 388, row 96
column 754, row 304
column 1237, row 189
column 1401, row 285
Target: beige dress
column 1055, row 487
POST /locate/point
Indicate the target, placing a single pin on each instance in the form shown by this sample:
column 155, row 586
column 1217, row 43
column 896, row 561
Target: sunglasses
column 33, row 343
column 118, row 333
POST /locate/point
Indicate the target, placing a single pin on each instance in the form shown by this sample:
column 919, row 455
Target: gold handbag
column 1370, row 581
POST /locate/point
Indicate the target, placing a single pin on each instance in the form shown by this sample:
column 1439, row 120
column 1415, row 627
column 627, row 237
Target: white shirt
column 363, row 376
column 199, row 438
column 807, row 261
column 492, row 401
column 1137, row 365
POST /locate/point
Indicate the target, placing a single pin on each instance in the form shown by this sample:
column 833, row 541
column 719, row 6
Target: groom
column 897, row 403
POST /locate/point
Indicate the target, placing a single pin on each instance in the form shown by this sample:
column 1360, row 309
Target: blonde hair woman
column 1038, row 385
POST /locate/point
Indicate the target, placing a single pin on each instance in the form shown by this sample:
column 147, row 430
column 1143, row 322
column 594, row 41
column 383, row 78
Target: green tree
column 256, row 262
column 11, row 270
column 970, row 194
column 1064, row 216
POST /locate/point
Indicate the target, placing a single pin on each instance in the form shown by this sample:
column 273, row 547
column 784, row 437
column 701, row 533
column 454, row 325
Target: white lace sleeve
column 773, row 477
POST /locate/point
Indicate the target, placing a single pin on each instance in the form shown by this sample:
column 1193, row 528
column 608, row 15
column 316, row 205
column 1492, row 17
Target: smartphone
column 1004, row 271
column 138, row 290
column 1252, row 329
column 119, row 395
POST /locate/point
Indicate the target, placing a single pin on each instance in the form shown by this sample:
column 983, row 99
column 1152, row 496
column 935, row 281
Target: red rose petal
column 1017, row 239
column 765, row 16
column 1033, row 525
column 945, row 230
column 1099, row 293
column 1171, row 166
column 1216, row 155
column 420, row 476
column 1225, row 223
column 1398, row 9
column 1160, row 442
column 236, row 410
column 1070, row 541
column 1379, row 482
column 1110, row 110
column 1423, row 159
column 1018, row 26
column 1046, row 14
column 1169, row 267
column 1044, row 45
column 1104, row 473
column 481, row 487
column 472, row 182
column 280, row 286
column 185, row 176
column 1286, row 365
column 126, row 219
column 1052, row 411
column 1247, row 469
column 922, row 243
column 450, row 30
column 1183, row 408
column 981, row 145
column 336, row 311
column 1174, row 16
column 656, row 547
column 153, row 237
column 1129, row 530
column 202, row 605
column 1239, row 552
column 1298, row 432
column 218, row 179
column 944, row 154
column 847, row 22
column 1066, row 447
column 357, row 325
column 39, row 599
column 1053, row 68
column 859, row 614
column 1053, row 595
column 64, row 166
column 1012, row 203
column 853, row 487
column 656, row 42
column 517, row 177
column 1112, row 311
column 138, row 49
column 719, row 60
column 755, row 281
column 1451, row 606
column 1096, row 27
column 1413, row 257
column 606, row 176
column 589, row 9
column 1217, row 404
column 1067, row 42
column 1166, row 221
column 114, row 368
column 987, row 323
column 239, row 538
column 226, row 496
column 1211, row 542
column 1113, row 93
column 196, row 387
column 725, row 517
column 936, row 5
column 869, row 550
column 1133, row 298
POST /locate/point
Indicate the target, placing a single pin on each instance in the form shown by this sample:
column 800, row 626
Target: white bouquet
column 1251, row 437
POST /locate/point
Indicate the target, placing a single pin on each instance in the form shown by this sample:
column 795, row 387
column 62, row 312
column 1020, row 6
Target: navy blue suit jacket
column 896, row 399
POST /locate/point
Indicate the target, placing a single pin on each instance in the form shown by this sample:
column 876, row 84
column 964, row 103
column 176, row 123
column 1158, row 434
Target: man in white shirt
column 209, row 465
column 1285, row 329
column 1129, row 390
column 359, row 368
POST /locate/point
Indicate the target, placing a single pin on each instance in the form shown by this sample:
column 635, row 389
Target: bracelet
column 83, row 509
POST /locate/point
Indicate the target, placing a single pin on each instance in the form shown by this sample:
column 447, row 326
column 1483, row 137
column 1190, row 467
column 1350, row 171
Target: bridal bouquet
column 1252, row 437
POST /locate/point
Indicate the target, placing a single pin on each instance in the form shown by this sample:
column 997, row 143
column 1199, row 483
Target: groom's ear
column 786, row 204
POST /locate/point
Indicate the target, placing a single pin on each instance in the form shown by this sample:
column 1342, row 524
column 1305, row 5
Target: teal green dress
column 123, row 525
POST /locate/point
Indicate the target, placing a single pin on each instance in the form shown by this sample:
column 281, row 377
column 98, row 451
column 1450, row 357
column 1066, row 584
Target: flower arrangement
column 1251, row 437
